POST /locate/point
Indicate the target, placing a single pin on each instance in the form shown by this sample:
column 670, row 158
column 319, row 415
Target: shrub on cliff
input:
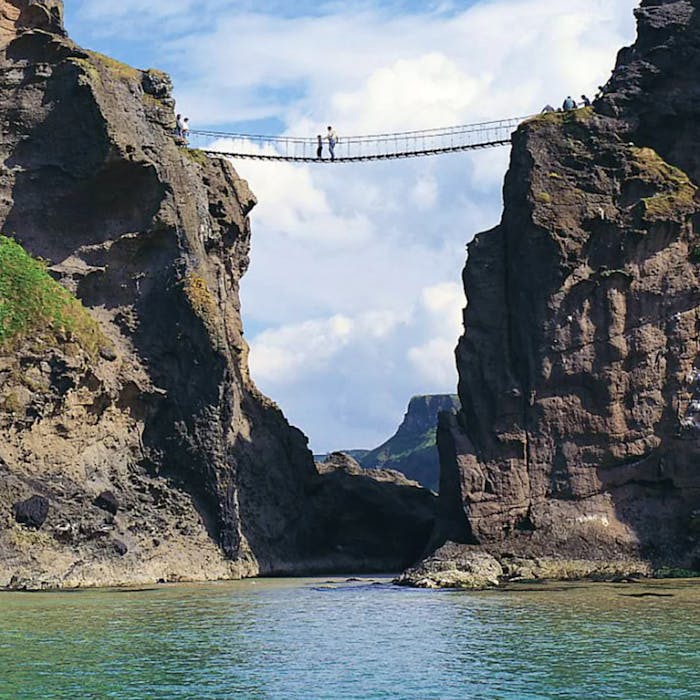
column 33, row 304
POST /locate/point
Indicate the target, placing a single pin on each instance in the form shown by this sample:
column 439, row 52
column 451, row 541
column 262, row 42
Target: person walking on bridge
column 319, row 149
column 332, row 141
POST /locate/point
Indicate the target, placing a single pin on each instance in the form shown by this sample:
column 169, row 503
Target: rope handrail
column 366, row 137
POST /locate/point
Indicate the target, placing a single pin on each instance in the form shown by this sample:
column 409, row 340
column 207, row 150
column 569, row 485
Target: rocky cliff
column 133, row 444
column 412, row 449
column 580, row 363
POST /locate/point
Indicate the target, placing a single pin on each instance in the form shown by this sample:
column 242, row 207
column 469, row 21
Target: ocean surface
column 365, row 640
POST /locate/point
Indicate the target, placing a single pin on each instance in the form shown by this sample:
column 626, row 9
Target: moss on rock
column 196, row 156
column 200, row 296
column 675, row 194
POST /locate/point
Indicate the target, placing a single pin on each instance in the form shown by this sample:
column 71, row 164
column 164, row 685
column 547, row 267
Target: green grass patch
column 670, row 572
column 116, row 68
column 33, row 304
column 571, row 116
column 97, row 67
column 676, row 193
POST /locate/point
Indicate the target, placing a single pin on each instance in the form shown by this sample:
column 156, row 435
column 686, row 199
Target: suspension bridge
column 351, row 149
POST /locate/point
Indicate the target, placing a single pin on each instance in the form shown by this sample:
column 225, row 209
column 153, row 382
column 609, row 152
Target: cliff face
column 412, row 450
column 150, row 455
column 580, row 363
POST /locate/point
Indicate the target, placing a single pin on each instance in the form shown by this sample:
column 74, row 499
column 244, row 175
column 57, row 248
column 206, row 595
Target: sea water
column 317, row 639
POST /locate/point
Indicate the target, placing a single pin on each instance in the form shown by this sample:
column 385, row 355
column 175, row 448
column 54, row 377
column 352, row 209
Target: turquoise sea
column 365, row 640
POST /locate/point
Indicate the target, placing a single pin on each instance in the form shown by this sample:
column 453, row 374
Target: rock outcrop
column 157, row 456
column 368, row 513
column 579, row 368
column 454, row 566
column 413, row 450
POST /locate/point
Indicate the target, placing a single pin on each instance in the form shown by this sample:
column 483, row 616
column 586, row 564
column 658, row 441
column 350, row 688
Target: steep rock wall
column 580, row 360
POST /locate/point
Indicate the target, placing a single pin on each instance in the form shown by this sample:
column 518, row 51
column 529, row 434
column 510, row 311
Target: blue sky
column 353, row 300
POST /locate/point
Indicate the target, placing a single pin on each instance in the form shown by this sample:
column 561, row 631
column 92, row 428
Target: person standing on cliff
column 319, row 149
column 185, row 131
column 178, row 125
column 569, row 104
column 585, row 102
column 332, row 141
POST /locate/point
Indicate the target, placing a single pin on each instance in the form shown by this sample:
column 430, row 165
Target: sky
column 353, row 300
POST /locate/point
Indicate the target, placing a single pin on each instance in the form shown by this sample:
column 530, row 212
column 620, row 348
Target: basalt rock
column 579, row 368
column 211, row 480
column 32, row 512
column 107, row 501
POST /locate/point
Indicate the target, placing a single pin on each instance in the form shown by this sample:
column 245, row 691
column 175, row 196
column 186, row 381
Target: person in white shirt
column 332, row 141
column 185, row 131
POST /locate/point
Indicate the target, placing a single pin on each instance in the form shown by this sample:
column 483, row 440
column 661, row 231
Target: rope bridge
column 350, row 149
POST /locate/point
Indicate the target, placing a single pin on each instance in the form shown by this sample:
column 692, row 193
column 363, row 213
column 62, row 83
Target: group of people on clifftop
column 570, row 103
column 332, row 139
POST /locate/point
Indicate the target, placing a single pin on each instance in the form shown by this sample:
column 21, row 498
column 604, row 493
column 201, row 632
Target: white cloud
column 412, row 93
column 431, row 361
column 281, row 354
column 371, row 71
column 425, row 192
column 444, row 299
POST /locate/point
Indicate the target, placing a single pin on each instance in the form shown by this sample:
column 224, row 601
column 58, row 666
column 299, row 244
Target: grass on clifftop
column 570, row 116
column 32, row 303
column 117, row 68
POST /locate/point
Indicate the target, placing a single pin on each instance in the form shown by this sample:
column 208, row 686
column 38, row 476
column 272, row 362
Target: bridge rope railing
column 385, row 146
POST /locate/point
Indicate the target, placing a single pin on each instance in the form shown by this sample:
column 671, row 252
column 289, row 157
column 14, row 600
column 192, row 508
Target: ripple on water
column 352, row 639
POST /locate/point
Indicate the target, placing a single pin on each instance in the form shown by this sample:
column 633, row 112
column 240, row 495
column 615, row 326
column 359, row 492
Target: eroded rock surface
column 580, row 363
column 207, row 479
